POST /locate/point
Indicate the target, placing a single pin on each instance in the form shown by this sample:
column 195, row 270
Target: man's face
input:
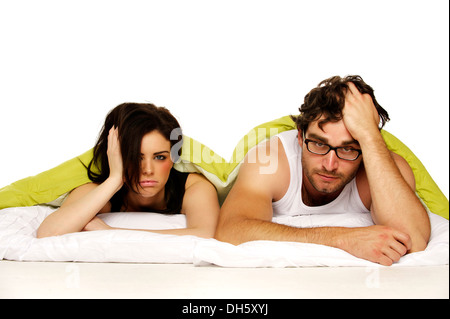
column 328, row 173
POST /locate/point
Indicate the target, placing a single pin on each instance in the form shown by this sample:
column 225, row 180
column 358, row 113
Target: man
column 335, row 162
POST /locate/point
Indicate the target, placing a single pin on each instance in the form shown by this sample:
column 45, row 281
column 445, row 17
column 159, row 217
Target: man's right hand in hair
column 360, row 115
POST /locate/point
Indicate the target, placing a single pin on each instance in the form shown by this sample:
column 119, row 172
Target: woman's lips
column 148, row 183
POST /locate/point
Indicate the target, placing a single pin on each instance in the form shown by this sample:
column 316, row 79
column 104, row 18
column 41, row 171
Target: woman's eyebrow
column 157, row 153
column 161, row 152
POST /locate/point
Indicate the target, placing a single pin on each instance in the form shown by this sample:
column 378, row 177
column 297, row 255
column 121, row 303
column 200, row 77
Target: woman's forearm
column 81, row 206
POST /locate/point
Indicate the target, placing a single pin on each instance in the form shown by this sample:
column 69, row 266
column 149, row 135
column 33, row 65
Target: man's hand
column 379, row 244
column 359, row 114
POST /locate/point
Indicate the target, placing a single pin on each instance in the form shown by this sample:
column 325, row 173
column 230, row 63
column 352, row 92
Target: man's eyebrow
column 350, row 142
column 325, row 140
column 317, row 137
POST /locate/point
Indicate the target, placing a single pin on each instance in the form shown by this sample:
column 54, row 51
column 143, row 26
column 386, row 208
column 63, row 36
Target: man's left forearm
column 392, row 188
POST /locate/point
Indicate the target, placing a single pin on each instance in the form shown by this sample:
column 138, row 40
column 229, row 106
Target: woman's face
column 155, row 164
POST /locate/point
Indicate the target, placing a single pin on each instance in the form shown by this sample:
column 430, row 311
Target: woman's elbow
column 224, row 233
column 43, row 233
column 206, row 233
column 47, row 231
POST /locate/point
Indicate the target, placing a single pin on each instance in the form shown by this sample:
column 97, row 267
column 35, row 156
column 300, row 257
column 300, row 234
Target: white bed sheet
column 18, row 242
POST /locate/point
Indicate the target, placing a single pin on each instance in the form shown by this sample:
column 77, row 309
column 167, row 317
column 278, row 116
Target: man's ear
column 300, row 138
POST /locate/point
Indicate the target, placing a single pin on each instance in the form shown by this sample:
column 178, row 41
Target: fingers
column 354, row 96
column 389, row 255
column 114, row 154
column 386, row 245
column 359, row 113
column 113, row 137
column 113, row 132
column 403, row 238
column 113, row 141
column 351, row 95
column 353, row 90
column 396, row 248
column 393, row 253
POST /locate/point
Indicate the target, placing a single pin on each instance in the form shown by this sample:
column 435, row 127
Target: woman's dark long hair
column 134, row 120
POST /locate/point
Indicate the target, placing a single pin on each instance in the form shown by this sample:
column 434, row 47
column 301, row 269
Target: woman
column 133, row 156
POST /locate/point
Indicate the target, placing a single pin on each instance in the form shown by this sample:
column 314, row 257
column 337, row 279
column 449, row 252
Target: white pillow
column 18, row 242
column 263, row 253
column 144, row 220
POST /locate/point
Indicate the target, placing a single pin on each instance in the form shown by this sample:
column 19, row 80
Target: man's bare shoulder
column 260, row 181
column 266, row 167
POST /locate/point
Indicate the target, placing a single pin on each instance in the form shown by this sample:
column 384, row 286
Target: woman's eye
column 160, row 157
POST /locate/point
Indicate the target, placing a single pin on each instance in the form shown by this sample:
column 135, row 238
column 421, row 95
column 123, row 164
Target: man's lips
column 148, row 183
column 327, row 178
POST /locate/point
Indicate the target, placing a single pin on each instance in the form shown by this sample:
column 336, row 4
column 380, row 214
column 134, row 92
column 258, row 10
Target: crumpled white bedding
column 18, row 242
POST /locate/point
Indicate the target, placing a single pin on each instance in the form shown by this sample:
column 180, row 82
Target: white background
column 221, row 67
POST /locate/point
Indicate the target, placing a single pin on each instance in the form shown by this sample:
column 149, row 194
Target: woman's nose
column 147, row 167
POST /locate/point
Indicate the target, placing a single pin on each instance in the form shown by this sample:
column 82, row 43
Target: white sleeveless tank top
column 292, row 204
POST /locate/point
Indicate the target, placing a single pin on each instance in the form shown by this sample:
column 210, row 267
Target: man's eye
column 318, row 144
column 348, row 149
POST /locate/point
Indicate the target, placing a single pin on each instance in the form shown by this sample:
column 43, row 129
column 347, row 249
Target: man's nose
column 330, row 161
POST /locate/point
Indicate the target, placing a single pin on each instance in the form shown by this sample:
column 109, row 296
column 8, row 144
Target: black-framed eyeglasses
column 343, row 152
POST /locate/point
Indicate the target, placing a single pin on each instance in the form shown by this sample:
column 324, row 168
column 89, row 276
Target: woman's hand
column 115, row 155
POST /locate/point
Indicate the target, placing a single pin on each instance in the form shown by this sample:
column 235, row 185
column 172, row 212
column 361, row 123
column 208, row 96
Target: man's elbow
column 419, row 243
column 419, row 238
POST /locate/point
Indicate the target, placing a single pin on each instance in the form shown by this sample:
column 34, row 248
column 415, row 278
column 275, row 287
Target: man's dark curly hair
column 328, row 99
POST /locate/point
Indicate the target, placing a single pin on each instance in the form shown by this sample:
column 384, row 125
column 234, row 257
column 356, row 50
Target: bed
column 133, row 264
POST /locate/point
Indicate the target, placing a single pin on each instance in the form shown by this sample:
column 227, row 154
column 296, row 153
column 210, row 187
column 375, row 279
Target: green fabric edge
column 48, row 185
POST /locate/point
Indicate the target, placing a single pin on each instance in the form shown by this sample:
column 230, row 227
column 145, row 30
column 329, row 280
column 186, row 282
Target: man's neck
column 311, row 197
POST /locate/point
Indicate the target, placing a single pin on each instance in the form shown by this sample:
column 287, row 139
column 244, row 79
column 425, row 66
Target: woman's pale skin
column 78, row 212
